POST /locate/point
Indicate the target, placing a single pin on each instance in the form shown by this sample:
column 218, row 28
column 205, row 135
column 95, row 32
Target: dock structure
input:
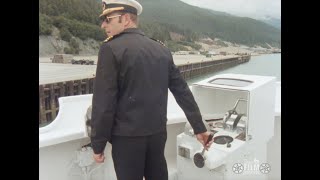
column 194, row 69
column 58, row 80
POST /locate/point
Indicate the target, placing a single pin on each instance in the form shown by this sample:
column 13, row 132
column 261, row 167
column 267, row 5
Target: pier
column 58, row 80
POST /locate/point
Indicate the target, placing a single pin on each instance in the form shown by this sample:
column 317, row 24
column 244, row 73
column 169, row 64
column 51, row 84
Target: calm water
column 265, row 65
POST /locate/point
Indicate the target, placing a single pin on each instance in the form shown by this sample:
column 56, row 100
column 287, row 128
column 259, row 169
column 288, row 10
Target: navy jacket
column 131, row 85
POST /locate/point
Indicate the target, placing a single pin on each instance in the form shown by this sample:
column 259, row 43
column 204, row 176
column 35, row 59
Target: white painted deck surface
column 56, row 133
column 278, row 100
column 56, row 72
column 59, row 140
column 70, row 123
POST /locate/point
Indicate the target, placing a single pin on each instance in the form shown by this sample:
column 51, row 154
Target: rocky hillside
column 72, row 26
column 53, row 44
column 49, row 45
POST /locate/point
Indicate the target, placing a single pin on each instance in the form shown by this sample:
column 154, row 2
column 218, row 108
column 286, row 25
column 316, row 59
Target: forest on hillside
column 79, row 18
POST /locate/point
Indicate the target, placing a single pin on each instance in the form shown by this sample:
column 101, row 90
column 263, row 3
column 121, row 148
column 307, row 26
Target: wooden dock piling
column 50, row 93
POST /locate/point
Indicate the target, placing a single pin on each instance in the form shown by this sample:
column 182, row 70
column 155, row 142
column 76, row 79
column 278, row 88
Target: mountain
column 240, row 30
column 160, row 19
column 219, row 12
column 275, row 22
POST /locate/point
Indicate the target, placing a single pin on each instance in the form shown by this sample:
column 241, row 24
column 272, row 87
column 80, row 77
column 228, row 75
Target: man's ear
column 127, row 19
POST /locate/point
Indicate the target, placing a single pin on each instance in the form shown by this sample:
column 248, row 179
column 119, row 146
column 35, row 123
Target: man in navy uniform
column 129, row 105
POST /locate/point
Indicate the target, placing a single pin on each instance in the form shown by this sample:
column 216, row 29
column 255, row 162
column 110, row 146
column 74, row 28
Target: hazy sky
column 248, row 8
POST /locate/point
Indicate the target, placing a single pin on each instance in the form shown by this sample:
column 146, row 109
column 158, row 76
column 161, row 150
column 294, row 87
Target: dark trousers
column 138, row 157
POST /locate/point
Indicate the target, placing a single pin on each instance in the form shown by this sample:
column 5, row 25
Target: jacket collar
column 134, row 30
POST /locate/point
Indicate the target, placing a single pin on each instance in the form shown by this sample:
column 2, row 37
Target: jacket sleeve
column 185, row 99
column 104, row 100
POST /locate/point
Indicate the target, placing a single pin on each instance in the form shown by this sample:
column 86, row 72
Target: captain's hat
column 130, row 6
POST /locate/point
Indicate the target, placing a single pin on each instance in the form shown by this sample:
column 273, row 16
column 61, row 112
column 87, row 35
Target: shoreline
column 47, row 59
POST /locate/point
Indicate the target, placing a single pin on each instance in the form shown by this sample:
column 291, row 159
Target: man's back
column 143, row 80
